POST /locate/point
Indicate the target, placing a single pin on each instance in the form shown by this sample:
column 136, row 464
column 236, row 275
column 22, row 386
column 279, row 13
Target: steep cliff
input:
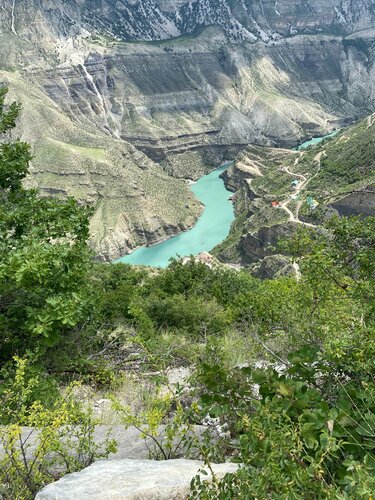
column 244, row 20
column 111, row 121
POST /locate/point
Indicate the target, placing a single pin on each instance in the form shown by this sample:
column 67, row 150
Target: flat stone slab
column 131, row 480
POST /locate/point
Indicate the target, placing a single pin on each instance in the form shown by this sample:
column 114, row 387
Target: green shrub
column 193, row 315
column 299, row 437
column 42, row 443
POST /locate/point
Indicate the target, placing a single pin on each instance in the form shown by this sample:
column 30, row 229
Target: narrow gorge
column 123, row 104
column 187, row 249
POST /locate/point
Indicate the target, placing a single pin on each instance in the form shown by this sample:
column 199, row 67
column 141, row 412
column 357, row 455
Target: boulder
column 131, row 480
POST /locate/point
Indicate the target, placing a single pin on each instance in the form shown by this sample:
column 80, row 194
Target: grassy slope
column 75, row 159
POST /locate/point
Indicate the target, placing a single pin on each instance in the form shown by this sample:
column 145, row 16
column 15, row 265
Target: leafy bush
column 294, row 437
column 303, row 425
column 195, row 315
column 40, row 444
column 44, row 257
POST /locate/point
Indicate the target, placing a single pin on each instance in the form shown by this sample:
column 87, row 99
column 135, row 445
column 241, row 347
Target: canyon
column 125, row 101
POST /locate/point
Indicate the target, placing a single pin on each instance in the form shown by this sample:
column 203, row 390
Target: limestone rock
column 358, row 203
column 130, row 442
column 264, row 241
column 248, row 20
column 130, row 480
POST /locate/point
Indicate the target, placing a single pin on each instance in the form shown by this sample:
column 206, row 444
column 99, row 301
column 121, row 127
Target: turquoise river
column 212, row 227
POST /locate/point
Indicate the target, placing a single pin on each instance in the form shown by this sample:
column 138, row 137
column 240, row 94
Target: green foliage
column 14, row 159
column 293, row 437
column 193, row 314
column 193, row 299
column 44, row 258
column 14, row 156
column 195, row 278
column 44, row 263
column 348, row 159
column 42, row 443
column 177, row 307
column 8, row 115
column 115, row 288
column 338, row 289
column 23, row 384
column 305, row 429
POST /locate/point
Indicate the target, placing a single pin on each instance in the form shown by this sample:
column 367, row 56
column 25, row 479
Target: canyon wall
column 119, row 122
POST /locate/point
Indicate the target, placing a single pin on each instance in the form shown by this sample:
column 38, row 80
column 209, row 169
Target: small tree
column 44, row 257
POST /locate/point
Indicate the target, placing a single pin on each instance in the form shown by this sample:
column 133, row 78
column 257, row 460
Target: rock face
column 112, row 121
column 130, row 480
column 245, row 20
column 131, row 444
column 360, row 203
column 256, row 246
column 273, row 266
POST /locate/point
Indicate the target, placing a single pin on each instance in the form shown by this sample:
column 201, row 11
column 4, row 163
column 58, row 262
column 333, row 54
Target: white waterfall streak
column 13, row 23
column 97, row 93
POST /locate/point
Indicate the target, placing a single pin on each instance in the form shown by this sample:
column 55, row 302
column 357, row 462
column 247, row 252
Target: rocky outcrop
column 131, row 480
column 251, row 163
column 273, row 266
column 248, row 20
column 257, row 245
column 130, row 442
column 358, row 203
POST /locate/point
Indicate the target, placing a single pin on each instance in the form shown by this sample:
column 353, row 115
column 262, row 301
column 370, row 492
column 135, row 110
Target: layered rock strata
column 112, row 123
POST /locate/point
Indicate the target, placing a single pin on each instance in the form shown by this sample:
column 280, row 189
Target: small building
column 311, row 203
column 275, row 203
column 204, row 257
column 295, row 183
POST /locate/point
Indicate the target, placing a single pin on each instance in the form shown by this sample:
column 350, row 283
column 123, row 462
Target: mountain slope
column 279, row 190
column 136, row 202
column 180, row 106
column 244, row 20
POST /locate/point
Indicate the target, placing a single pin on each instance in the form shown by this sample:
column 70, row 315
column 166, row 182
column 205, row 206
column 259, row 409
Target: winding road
column 305, row 181
column 300, row 187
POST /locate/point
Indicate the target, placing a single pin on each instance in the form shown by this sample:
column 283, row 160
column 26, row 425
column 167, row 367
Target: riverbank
column 315, row 140
column 212, row 226
column 209, row 230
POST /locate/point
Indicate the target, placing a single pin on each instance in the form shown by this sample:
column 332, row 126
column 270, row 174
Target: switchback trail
column 302, row 185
